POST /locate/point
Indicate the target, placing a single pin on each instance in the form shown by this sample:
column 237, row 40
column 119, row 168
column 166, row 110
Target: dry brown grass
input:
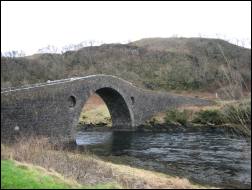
column 86, row 168
column 95, row 111
column 236, row 88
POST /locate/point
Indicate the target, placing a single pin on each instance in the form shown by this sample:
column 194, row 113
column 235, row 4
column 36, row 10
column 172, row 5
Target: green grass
column 100, row 114
column 25, row 176
column 22, row 176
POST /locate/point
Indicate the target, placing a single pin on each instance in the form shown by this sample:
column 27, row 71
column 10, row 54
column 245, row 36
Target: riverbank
column 88, row 169
column 17, row 175
column 225, row 129
column 229, row 117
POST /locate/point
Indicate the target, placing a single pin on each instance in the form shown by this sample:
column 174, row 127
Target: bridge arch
column 118, row 105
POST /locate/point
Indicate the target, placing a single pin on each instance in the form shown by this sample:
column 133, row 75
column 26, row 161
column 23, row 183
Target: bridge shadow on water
column 115, row 149
column 113, row 143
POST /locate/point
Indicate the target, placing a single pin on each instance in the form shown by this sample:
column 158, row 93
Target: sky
column 29, row 26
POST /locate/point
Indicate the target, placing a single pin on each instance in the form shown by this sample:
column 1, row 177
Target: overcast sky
column 29, row 26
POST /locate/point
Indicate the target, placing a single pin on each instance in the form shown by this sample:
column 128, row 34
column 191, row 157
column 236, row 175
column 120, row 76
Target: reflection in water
column 121, row 141
column 90, row 138
column 203, row 157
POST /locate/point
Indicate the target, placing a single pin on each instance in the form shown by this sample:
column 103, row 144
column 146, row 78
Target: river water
column 204, row 157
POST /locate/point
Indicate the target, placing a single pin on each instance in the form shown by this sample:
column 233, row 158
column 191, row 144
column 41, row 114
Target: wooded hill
column 153, row 63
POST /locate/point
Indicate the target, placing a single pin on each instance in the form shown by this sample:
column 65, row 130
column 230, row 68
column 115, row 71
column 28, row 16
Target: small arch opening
column 132, row 100
column 71, row 101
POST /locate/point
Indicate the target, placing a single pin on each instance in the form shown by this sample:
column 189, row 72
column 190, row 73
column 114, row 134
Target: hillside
column 154, row 63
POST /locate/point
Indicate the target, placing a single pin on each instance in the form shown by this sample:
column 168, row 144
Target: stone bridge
column 53, row 108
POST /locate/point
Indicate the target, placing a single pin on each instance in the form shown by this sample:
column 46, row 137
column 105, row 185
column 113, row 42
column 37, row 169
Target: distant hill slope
column 154, row 63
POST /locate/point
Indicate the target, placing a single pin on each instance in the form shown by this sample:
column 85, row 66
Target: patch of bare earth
column 93, row 102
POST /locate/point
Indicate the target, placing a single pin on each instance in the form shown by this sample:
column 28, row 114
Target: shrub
column 153, row 121
column 181, row 117
column 238, row 113
column 209, row 117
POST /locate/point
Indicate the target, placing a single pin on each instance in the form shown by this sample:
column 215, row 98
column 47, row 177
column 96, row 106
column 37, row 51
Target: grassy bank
column 87, row 169
column 19, row 175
